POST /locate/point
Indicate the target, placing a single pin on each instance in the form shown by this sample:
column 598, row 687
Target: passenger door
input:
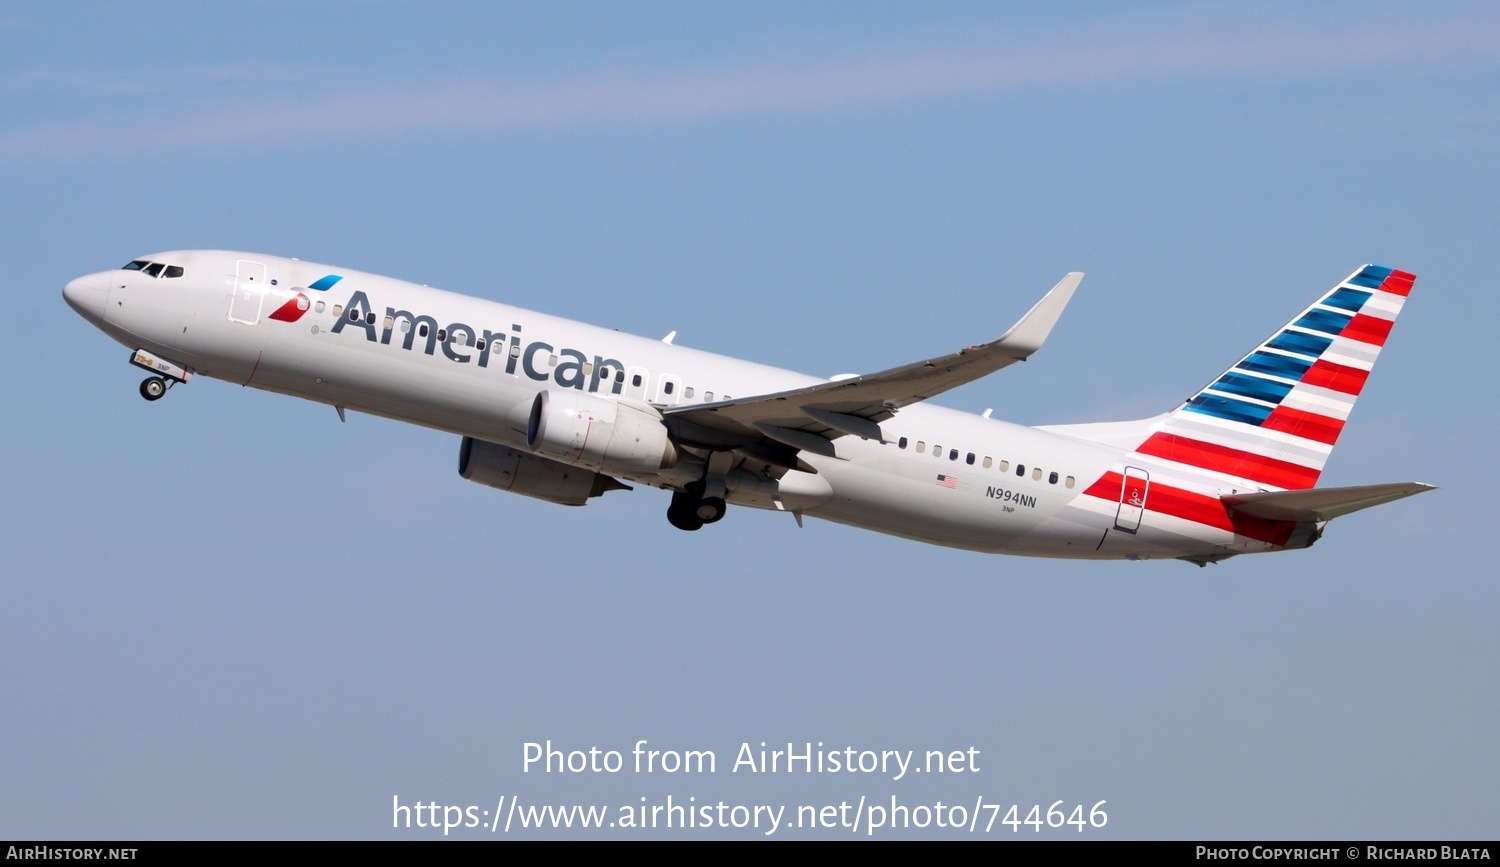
column 249, row 291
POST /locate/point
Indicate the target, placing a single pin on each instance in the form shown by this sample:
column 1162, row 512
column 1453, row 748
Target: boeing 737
column 563, row 411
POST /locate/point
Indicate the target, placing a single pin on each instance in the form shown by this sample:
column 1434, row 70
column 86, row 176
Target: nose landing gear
column 168, row 374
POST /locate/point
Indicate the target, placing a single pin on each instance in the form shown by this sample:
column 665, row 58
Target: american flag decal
column 949, row 482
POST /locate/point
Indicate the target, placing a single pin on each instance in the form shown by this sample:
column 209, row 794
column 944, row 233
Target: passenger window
column 619, row 376
column 970, row 459
column 1068, row 481
column 390, row 322
column 1052, row 478
column 442, row 335
column 154, row 269
column 588, row 368
column 480, row 345
column 937, row 451
column 687, row 392
column 901, row 443
column 708, row 397
column 353, row 314
column 988, row 462
column 552, row 361
column 1020, row 469
column 319, row 308
column 173, row 271
column 1036, row 474
column 1005, row 466
column 953, row 454
column 405, row 325
column 636, row 380
column 668, row 386
column 370, row 318
column 422, row 330
column 338, row 310
column 921, row 446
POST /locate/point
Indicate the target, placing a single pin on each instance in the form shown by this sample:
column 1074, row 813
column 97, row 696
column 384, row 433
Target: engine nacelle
column 521, row 473
column 599, row 433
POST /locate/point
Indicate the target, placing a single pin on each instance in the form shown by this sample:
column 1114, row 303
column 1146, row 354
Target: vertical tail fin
column 1273, row 418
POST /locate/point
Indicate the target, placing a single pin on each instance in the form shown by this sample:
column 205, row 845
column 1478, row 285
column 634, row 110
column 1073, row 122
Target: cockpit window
column 154, row 269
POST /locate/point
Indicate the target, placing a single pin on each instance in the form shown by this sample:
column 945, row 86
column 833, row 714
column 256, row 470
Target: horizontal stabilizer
column 1320, row 504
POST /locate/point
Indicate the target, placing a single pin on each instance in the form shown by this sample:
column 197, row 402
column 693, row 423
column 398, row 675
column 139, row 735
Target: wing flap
column 1320, row 504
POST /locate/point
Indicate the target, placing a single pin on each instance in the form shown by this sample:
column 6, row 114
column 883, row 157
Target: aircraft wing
column 808, row 418
column 1320, row 504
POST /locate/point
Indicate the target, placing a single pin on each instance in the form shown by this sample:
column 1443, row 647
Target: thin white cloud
column 1120, row 53
column 75, row 82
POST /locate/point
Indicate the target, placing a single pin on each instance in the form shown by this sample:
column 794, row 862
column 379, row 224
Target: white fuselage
column 473, row 367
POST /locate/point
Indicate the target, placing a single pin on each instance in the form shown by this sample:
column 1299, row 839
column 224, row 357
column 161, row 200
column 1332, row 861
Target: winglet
column 1027, row 335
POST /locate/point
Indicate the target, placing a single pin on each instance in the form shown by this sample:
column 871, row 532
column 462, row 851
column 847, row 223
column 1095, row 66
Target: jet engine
column 521, row 473
column 599, row 433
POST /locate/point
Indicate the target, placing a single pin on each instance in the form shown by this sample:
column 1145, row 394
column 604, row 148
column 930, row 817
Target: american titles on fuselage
column 463, row 343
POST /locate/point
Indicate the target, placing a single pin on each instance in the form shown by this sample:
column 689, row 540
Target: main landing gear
column 153, row 387
column 690, row 510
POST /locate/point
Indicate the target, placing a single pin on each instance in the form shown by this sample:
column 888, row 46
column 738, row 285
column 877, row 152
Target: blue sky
column 226, row 615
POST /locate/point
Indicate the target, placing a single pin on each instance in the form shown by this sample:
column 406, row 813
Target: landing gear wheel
column 153, row 387
column 690, row 510
column 682, row 514
column 710, row 509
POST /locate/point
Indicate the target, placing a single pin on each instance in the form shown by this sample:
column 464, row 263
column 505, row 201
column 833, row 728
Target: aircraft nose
column 87, row 296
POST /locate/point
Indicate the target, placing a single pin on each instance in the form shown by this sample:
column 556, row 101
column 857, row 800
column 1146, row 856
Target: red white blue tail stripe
column 1273, row 418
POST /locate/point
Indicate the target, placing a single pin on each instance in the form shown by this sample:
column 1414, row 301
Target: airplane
column 564, row 412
